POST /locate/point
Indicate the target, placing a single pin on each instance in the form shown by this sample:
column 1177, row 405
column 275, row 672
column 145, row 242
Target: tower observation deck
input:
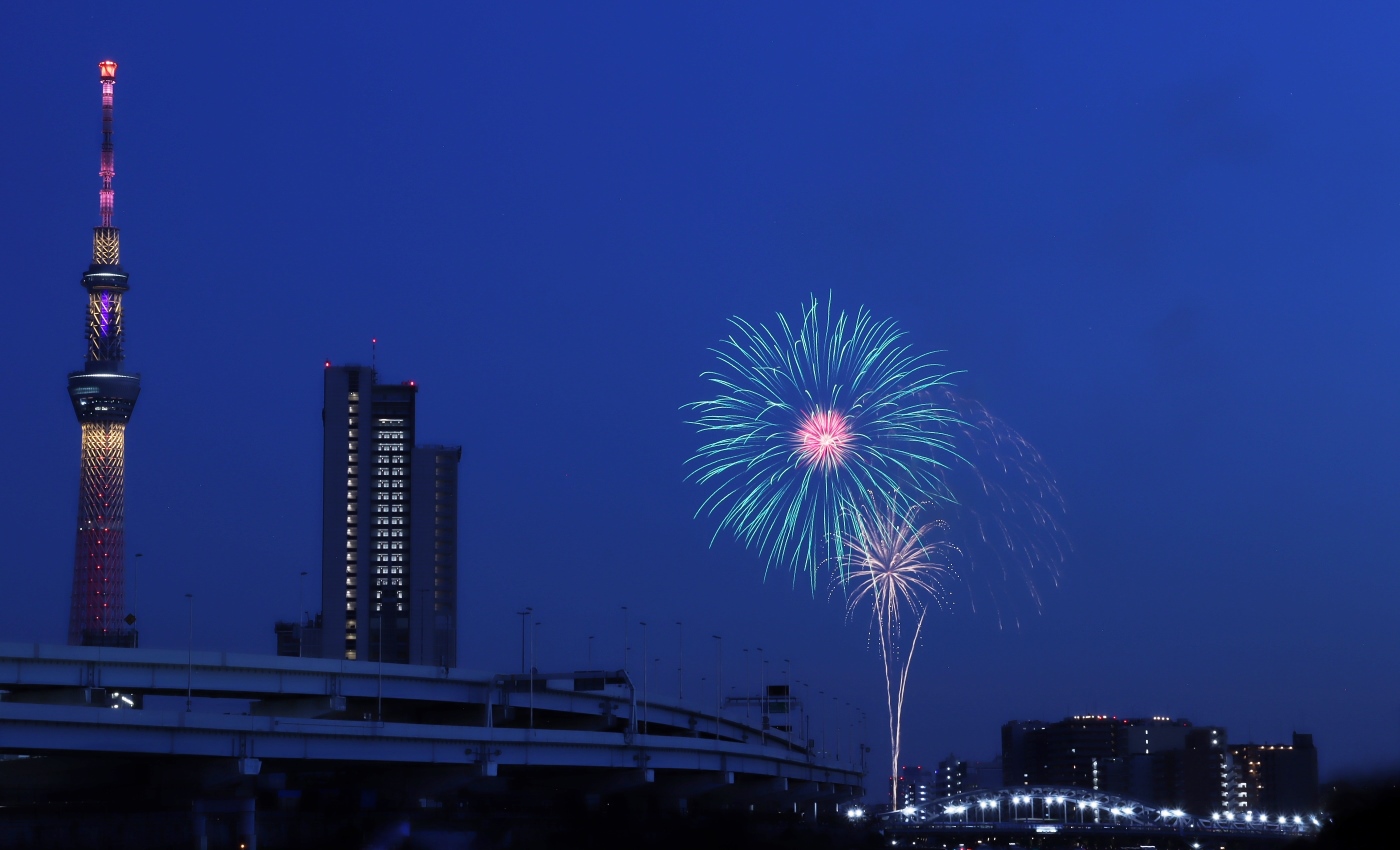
column 103, row 396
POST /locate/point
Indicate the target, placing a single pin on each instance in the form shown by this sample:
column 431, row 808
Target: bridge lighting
column 1313, row 818
column 1249, row 817
column 1094, row 804
column 1060, row 800
column 855, row 813
column 907, row 811
column 1229, row 816
column 1297, row 819
column 1215, row 815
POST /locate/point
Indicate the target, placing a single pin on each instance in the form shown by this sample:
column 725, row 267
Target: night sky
column 1161, row 242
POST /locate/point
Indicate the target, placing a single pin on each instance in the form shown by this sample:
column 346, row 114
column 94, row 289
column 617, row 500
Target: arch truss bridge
column 1043, row 809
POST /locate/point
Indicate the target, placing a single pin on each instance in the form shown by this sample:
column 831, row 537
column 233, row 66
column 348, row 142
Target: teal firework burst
column 811, row 418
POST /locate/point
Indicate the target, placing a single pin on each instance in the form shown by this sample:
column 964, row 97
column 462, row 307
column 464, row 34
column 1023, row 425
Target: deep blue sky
column 1161, row 241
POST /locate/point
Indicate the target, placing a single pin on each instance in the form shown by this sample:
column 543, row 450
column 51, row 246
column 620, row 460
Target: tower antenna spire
column 107, row 195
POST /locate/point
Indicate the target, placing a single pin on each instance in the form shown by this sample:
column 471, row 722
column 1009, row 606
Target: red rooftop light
column 108, row 69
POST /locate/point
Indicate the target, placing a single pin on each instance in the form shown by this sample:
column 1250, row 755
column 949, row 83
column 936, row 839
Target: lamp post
column 534, row 635
column 680, row 662
column 626, row 645
column 643, row 624
column 301, row 597
column 136, row 559
column 523, row 614
column 719, row 693
column 748, row 686
column 189, row 670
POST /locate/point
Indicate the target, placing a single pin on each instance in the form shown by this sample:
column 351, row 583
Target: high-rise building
column 1207, row 769
column 1023, row 752
column 1276, row 778
column 1163, row 762
column 916, row 785
column 103, row 396
column 389, row 527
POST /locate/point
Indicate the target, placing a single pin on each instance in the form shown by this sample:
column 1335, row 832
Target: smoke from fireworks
column 811, row 416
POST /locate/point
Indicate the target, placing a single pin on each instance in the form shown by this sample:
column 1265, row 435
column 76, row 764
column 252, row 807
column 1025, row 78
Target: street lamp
column 643, row 624
column 189, row 671
column 523, row 615
column 680, row 662
column 626, row 644
column 719, row 656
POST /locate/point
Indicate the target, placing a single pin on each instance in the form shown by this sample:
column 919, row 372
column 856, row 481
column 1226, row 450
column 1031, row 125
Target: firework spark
column 824, row 438
column 1006, row 517
column 899, row 569
column 810, row 416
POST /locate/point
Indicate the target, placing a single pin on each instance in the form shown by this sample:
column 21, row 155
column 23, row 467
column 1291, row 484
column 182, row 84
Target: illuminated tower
column 103, row 396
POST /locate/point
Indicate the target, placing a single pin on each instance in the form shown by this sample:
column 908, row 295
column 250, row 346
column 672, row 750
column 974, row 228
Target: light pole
column 748, row 686
column 523, row 615
column 626, row 645
column 189, row 670
column 136, row 560
column 301, row 597
column 719, row 668
column 787, row 699
column 590, row 652
column 680, row 662
column 643, row 624
column 534, row 635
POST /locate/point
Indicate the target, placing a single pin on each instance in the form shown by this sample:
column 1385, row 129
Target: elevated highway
column 265, row 714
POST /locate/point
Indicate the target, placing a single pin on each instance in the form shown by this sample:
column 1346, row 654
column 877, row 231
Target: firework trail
column 899, row 569
column 1006, row 510
column 811, row 417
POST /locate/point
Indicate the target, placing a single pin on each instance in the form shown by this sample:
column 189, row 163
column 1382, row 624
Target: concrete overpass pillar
column 248, row 823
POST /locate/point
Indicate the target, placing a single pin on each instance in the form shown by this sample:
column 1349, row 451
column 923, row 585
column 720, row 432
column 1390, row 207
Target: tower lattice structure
column 103, row 397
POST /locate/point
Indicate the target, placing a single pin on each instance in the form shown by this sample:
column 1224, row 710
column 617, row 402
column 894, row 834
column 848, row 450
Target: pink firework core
column 824, row 438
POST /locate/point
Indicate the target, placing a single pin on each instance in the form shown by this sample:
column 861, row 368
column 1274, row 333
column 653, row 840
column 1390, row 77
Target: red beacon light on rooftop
column 108, row 69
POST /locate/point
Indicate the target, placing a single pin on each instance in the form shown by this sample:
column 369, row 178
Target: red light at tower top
column 108, row 69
